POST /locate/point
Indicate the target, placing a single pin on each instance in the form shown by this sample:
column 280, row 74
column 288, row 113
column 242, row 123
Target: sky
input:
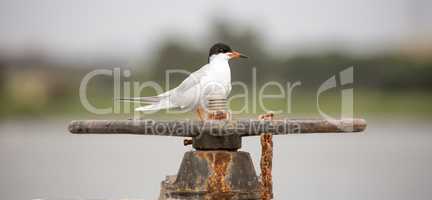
column 98, row 27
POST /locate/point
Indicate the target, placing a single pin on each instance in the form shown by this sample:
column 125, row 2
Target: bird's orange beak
column 236, row 54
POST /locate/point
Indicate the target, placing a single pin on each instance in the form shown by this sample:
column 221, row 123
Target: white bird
column 212, row 79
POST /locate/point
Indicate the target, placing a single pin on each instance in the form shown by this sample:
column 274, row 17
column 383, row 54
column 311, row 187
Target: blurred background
column 48, row 46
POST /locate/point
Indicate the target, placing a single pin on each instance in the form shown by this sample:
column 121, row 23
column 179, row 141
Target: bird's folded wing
column 192, row 80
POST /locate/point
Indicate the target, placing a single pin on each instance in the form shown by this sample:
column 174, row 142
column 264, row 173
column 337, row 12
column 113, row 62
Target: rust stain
column 201, row 113
column 266, row 188
column 218, row 115
column 218, row 163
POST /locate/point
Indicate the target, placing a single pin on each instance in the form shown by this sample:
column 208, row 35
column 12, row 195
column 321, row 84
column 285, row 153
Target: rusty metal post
column 215, row 170
column 266, row 185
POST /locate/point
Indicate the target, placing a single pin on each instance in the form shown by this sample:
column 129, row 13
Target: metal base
column 206, row 141
column 213, row 175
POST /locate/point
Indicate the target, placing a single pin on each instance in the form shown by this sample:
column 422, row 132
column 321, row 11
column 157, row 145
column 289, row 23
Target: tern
column 212, row 79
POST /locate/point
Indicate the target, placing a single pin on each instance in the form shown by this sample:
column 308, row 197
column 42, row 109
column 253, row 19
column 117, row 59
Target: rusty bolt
column 187, row 142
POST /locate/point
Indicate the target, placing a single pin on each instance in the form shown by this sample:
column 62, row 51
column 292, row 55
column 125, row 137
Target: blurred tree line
column 37, row 88
column 390, row 71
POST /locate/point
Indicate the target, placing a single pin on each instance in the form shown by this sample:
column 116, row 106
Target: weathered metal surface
column 216, row 128
column 266, row 162
column 217, row 108
column 213, row 175
column 206, row 141
column 218, row 115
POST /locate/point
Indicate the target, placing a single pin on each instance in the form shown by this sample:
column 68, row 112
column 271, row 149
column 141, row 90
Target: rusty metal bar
column 266, row 186
column 188, row 128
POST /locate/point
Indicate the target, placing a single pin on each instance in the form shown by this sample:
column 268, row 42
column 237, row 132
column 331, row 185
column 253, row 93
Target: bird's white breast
column 219, row 76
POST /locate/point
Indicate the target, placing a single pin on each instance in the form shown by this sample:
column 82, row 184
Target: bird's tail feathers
column 162, row 104
column 147, row 100
column 156, row 102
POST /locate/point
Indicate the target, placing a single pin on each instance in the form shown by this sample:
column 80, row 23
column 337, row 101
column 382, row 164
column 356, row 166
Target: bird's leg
column 200, row 113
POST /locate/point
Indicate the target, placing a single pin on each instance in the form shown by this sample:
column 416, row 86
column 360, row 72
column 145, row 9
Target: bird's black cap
column 219, row 48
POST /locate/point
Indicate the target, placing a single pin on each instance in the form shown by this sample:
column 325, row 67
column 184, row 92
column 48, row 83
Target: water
column 41, row 160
